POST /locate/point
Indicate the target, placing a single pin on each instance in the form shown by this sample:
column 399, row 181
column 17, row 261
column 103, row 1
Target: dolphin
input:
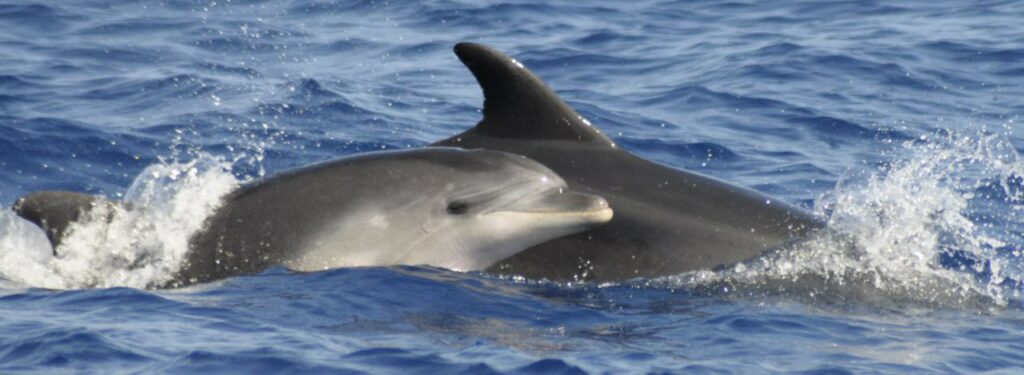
column 444, row 207
column 667, row 221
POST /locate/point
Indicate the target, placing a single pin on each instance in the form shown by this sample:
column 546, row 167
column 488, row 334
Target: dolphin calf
column 443, row 207
column 667, row 221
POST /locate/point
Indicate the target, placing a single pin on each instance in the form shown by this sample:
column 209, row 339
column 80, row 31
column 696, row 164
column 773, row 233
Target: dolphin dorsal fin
column 519, row 105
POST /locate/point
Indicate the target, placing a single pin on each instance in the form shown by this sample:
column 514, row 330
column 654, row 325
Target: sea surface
column 897, row 122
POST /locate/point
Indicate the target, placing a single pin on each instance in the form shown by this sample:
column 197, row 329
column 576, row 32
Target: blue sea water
column 898, row 123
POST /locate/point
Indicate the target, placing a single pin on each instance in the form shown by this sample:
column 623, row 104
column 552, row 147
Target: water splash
column 140, row 244
column 917, row 230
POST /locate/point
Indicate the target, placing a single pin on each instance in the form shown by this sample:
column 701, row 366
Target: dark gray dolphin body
column 444, row 207
column 667, row 221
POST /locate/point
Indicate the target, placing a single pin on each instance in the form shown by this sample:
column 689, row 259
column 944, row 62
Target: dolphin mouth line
column 562, row 203
column 603, row 214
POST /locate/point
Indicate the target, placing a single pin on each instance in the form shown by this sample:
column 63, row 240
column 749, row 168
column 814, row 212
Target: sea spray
column 908, row 231
column 24, row 252
column 139, row 244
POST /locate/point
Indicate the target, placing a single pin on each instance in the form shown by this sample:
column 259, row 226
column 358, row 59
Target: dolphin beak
column 586, row 208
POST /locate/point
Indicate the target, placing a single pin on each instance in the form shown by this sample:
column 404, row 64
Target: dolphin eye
column 457, row 207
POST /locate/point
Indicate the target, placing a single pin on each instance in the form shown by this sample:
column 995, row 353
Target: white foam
column 138, row 247
column 888, row 229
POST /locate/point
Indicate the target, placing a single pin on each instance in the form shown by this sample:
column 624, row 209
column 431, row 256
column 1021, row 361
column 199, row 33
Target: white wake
column 139, row 247
column 892, row 232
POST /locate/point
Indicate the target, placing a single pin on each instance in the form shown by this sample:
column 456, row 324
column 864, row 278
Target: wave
column 116, row 246
column 909, row 232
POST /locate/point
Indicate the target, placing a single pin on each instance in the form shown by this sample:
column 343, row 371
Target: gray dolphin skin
column 444, row 207
column 667, row 221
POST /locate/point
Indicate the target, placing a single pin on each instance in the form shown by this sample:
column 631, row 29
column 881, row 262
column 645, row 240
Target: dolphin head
column 459, row 209
column 496, row 204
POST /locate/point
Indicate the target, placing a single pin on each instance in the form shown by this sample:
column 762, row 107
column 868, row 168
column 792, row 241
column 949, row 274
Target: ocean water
column 898, row 124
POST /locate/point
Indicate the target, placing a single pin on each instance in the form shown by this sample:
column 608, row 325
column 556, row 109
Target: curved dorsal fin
column 519, row 105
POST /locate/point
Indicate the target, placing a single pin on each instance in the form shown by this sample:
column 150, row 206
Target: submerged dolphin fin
column 54, row 211
column 517, row 104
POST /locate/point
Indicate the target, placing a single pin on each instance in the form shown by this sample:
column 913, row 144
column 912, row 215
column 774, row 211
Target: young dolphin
column 667, row 221
column 443, row 207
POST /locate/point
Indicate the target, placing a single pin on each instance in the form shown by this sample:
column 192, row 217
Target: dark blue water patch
column 301, row 112
column 419, row 49
column 771, row 72
column 981, row 363
column 38, row 17
column 779, row 49
column 768, row 37
column 345, row 7
column 963, row 52
column 15, row 129
column 672, row 13
column 814, row 10
column 402, row 360
column 1009, row 71
column 71, row 150
column 700, row 151
column 240, row 71
column 838, row 131
column 26, row 296
column 956, row 80
column 559, row 64
column 338, row 112
column 967, row 262
column 806, row 168
column 409, row 306
column 886, row 10
column 263, row 30
column 746, row 325
column 64, row 348
column 726, row 6
column 60, row 68
column 549, row 366
column 137, row 26
column 697, row 96
column 512, row 14
column 266, row 360
column 239, row 44
column 347, row 45
column 802, row 184
column 104, row 55
column 552, row 59
column 831, row 370
column 1007, row 190
column 84, row 299
column 700, row 97
column 206, row 133
column 607, row 39
column 8, row 100
column 309, row 89
column 247, row 37
column 14, row 82
column 147, row 93
column 891, row 74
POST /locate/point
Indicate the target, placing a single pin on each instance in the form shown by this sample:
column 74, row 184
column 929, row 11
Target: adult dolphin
column 667, row 221
column 444, row 207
